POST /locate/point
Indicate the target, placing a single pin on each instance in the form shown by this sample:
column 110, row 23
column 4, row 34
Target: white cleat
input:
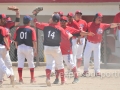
column 48, row 82
column 12, row 80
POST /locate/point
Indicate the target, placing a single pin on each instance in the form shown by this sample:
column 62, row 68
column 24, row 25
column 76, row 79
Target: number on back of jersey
column 23, row 35
column 51, row 34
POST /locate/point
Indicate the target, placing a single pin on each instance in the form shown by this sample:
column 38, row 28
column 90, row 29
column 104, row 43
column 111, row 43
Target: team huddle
column 64, row 40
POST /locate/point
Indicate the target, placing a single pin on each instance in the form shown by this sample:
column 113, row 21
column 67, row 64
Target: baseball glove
column 12, row 8
column 37, row 10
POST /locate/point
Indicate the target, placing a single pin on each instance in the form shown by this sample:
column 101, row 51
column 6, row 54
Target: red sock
column 74, row 70
column 32, row 73
column 48, row 72
column 57, row 74
column 20, row 73
column 61, row 72
column 79, row 61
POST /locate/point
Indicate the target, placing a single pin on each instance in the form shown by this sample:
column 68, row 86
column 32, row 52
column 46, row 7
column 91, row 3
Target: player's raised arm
column 16, row 9
column 39, row 25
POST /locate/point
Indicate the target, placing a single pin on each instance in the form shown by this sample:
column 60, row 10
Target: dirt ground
column 110, row 80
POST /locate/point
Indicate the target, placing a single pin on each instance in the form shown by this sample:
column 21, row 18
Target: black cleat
column 76, row 80
column 56, row 81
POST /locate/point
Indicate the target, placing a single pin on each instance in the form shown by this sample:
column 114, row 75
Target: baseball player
column 25, row 38
column 74, row 24
column 94, row 42
column 4, row 49
column 53, row 66
column 9, row 24
column 117, row 20
column 66, row 48
column 53, row 35
column 82, row 24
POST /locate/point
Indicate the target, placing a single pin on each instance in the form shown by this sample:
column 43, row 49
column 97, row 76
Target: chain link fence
column 109, row 52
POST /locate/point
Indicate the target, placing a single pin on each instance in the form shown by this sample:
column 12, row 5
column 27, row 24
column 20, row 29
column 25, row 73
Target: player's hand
column 118, row 24
column 35, row 54
column 13, row 8
column 35, row 20
column 70, row 35
column 115, row 37
column 9, row 34
column 79, row 42
column 91, row 34
column 8, row 48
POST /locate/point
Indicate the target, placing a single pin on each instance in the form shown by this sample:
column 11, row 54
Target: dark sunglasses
column 79, row 13
column 63, row 20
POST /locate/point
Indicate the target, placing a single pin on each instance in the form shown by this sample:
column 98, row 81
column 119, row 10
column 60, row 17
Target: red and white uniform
column 8, row 26
column 83, row 25
column 75, row 25
column 117, row 20
column 66, row 47
column 3, row 52
column 8, row 63
column 94, row 44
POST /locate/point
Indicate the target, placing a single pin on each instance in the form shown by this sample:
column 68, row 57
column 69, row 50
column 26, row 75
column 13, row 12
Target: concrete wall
column 86, row 8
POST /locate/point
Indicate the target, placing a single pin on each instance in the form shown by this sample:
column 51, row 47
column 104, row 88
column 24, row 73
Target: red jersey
column 8, row 26
column 73, row 24
column 97, row 29
column 82, row 24
column 66, row 45
column 3, row 34
column 53, row 33
column 117, row 20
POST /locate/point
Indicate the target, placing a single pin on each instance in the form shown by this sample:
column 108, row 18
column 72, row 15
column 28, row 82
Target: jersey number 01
column 23, row 35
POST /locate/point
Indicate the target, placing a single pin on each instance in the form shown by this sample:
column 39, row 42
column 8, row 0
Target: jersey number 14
column 51, row 34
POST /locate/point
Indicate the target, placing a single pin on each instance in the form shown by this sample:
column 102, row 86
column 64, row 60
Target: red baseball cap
column 99, row 15
column 78, row 12
column 2, row 16
column 63, row 18
column 70, row 14
column 60, row 13
column 8, row 19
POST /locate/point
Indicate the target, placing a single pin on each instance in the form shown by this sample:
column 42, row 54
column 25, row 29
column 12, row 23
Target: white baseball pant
column 74, row 49
column 69, row 61
column 25, row 52
column 53, row 53
column 119, row 35
column 97, row 54
column 8, row 64
column 3, row 67
column 53, row 67
column 80, row 48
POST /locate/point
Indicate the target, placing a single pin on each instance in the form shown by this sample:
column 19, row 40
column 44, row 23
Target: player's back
column 24, row 35
column 52, row 35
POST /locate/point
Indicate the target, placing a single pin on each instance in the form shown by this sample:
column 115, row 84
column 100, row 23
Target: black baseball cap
column 56, row 18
